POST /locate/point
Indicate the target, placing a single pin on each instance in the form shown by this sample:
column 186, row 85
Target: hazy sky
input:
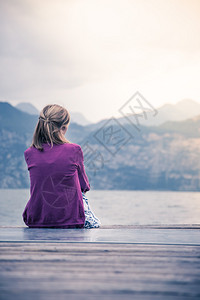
column 92, row 55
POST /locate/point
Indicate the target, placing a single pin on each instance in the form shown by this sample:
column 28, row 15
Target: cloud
column 57, row 49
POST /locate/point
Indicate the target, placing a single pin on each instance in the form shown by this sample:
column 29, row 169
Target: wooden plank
column 116, row 235
column 107, row 271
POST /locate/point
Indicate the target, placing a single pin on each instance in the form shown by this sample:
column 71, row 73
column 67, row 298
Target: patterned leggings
column 91, row 221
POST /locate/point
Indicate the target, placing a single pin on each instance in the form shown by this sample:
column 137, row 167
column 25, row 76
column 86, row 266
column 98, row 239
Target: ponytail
column 48, row 128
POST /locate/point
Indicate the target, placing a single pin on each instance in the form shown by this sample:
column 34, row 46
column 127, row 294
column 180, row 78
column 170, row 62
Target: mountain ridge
column 76, row 117
column 182, row 110
column 164, row 157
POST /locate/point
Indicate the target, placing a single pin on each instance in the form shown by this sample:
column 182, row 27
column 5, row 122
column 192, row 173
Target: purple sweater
column 57, row 180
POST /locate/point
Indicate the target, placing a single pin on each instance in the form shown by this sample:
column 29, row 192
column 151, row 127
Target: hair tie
column 47, row 119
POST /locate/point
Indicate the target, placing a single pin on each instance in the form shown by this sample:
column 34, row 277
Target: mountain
column 14, row 120
column 180, row 111
column 188, row 108
column 164, row 157
column 28, row 108
column 79, row 118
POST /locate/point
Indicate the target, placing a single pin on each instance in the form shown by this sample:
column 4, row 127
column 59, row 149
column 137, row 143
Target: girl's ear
column 64, row 128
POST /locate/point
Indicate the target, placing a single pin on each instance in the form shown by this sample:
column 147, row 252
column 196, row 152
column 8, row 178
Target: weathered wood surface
column 98, row 271
column 123, row 234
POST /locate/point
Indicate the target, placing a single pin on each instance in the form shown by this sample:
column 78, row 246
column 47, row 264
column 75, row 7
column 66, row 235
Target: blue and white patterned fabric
column 91, row 221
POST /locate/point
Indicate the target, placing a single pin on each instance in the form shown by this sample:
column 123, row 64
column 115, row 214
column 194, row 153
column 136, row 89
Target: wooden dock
column 103, row 268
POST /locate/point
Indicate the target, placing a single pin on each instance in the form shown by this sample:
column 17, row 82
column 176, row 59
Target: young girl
column 58, row 182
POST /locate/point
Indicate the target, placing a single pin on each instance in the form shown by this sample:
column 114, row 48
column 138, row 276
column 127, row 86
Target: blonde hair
column 52, row 118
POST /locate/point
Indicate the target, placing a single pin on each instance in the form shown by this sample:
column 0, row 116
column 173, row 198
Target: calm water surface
column 117, row 207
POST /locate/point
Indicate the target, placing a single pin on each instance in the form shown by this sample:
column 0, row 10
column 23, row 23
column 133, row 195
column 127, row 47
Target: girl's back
column 57, row 180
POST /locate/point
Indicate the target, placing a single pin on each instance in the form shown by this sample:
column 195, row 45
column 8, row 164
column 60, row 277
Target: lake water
column 117, row 207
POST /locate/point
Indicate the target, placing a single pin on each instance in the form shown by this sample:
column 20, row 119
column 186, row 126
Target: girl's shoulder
column 77, row 146
column 30, row 149
column 74, row 148
column 73, row 145
column 27, row 152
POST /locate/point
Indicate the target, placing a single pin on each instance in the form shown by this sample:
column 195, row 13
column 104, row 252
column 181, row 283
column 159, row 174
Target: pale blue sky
column 91, row 56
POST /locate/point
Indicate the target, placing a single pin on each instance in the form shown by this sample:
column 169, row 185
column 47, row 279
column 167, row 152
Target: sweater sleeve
column 83, row 179
column 25, row 156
